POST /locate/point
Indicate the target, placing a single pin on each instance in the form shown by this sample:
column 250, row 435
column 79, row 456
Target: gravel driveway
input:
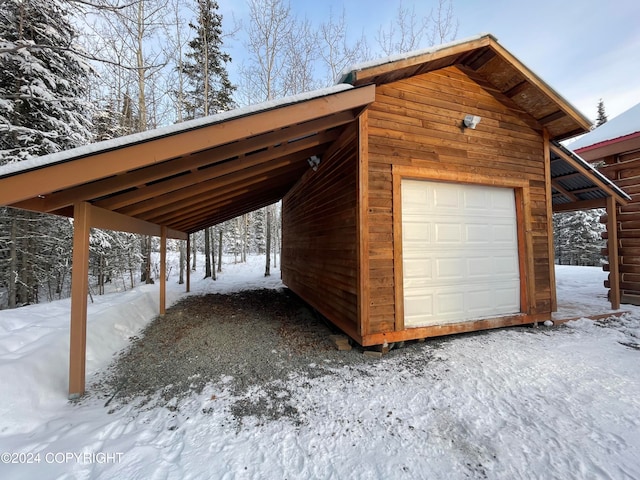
column 250, row 341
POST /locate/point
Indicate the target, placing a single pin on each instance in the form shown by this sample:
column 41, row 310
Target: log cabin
column 417, row 192
column 615, row 148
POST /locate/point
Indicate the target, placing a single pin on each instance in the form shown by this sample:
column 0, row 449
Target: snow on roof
column 627, row 123
column 120, row 142
column 404, row 56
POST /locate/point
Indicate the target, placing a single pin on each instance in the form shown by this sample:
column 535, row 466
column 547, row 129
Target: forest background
column 73, row 72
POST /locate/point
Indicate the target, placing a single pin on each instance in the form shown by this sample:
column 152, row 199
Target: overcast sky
column 585, row 49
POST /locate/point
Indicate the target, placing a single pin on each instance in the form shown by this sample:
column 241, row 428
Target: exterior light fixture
column 471, row 121
column 314, row 161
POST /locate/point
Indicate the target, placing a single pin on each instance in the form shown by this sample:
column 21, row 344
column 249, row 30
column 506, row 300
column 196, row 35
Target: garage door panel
column 419, row 272
column 475, row 200
column 477, row 233
column 449, row 302
column 444, row 197
column 480, row 301
column 479, row 268
column 460, row 252
column 414, row 231
column 507, row 297
column 449, row 268
column 505, row 265
column 446, row 232
column 503, row 232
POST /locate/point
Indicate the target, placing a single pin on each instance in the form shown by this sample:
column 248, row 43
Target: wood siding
column 319, row 233
column 416, row 122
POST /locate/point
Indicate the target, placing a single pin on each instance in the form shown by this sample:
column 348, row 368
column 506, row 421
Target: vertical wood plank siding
column 319, row 230
column 417, row 122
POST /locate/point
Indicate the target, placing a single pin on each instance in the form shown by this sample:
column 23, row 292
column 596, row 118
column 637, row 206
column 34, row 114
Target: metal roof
column 576, row 184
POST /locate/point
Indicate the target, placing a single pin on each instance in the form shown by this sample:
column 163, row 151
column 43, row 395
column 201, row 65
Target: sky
column 586, row 50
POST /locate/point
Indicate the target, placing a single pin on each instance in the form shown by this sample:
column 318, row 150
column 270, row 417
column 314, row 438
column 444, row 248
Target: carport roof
column 195, row 174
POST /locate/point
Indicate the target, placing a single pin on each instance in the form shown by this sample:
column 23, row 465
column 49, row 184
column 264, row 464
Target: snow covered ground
column 560, row 402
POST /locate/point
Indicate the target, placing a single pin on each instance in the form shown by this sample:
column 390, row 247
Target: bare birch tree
column 335, row 50
column 407, row 31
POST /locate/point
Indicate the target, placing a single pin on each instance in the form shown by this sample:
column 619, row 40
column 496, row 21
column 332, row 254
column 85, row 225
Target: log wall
column 416, row 122
column 319, row 233
column 624, row 170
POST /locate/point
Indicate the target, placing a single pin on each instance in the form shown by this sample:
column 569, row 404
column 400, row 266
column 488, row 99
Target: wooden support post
column 79, row 292
column 550, row 246
column 163, row 270
column 612, row 245
column 188, row 266
column 364, row 292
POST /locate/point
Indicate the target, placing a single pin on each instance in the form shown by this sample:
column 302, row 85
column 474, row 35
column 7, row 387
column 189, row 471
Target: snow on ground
column 558, row 402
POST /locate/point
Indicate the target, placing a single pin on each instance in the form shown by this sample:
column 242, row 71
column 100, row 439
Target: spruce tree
column 43, row 81
column 602, row 116
column 209, row 89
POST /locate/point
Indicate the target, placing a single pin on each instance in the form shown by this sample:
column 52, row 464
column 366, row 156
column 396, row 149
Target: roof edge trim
column 606, row 143
column 350, row 74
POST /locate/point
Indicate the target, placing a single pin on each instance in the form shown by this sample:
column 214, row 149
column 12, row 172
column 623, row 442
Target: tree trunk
column 267, row 268
column 25, row 271
column 182, row 262
column 245, row 237
column 207, row 253
column 142, row 102
column 213, row 254
column 146, row 240
column 100, row 275
column 220, row 252
column 276, row 238
column 194, row 249
column 13, row 261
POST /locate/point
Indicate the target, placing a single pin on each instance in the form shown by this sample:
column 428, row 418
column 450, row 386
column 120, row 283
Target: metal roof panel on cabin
column 482, row 56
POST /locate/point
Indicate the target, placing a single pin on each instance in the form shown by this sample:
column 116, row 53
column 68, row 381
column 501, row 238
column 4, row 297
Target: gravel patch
column 250, row 342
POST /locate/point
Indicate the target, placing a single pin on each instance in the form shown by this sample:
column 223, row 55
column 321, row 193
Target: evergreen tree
column 209, row 89
column 602, row 116
column 43, row 81
column 577, row 237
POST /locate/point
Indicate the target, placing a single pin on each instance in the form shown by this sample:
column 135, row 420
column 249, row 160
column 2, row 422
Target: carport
column 177, row 180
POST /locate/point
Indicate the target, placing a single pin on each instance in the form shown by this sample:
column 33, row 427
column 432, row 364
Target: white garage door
column 460, row 252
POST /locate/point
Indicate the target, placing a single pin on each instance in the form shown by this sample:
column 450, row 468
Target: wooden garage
column 432, row 214
column 417, row 193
